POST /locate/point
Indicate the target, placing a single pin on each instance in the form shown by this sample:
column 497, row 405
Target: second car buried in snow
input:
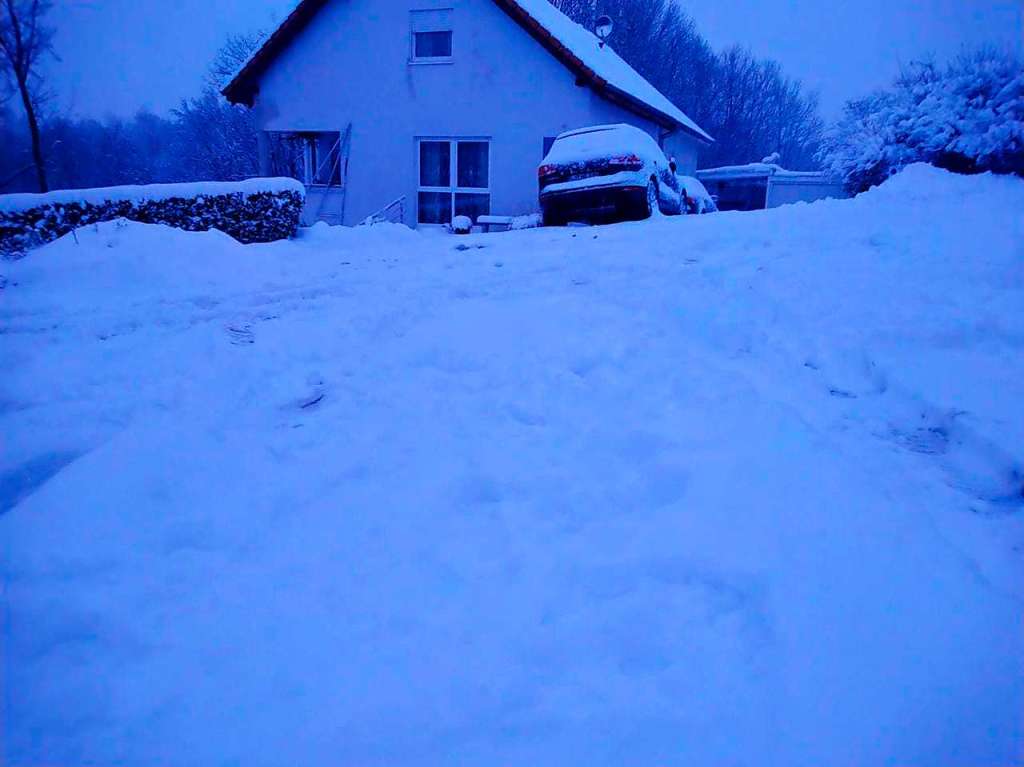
column 606, row 173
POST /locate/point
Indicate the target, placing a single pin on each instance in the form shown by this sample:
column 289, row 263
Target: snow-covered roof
column 292, row 17
column 759, row 170
column 576, row 47
column 602, row 61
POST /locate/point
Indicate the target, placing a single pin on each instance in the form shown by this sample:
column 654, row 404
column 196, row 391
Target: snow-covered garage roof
column 757, row 170
column 576, row 47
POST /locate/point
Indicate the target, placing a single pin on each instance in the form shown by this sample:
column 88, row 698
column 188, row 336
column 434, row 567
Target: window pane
column 472, row 167
column 325, row 158
column 472, row 205
column 549, row 141
column 433, row 45
column 435, row 208
column 435, row 163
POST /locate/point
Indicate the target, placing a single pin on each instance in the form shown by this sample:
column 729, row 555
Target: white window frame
column 413, row 31
column 453, row 187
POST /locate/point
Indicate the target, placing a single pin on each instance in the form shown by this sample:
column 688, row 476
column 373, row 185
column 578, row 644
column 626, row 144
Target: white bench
column 489, row 222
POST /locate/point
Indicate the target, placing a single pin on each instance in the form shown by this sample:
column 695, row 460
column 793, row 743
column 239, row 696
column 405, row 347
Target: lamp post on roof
column 603, row 28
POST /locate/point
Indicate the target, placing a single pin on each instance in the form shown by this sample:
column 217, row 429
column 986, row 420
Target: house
column 762, row 185
column 420, row 110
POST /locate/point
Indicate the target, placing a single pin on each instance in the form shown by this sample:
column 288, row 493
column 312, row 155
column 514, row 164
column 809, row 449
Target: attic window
column 431, row 36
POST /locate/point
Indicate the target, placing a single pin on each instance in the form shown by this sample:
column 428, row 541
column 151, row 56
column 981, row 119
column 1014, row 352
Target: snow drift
column 729, row 489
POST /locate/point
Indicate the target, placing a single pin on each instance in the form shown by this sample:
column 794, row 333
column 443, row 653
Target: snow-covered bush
column 257, row 210
column 967, row 117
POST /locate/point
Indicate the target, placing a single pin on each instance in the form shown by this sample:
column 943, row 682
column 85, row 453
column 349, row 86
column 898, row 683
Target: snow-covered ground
column 740, row 489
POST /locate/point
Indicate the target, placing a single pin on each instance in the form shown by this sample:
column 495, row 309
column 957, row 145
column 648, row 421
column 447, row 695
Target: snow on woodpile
column 13, row 203
column 254, row 210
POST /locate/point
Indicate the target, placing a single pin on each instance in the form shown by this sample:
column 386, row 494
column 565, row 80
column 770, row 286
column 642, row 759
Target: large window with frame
column 314, row 158
column 454, row 179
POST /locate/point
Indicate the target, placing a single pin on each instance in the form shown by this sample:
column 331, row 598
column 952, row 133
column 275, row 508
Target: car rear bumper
column 598, row 203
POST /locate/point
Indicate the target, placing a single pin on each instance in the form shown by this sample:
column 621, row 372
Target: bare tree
column 236, row 51
column 218, row 140
column 23, row 41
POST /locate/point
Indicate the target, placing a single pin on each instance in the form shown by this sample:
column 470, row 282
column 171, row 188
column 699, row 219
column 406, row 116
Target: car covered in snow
column 695, row 197
column 606, row 173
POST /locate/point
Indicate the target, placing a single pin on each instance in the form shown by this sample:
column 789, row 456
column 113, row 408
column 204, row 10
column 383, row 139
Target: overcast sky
column 120, row 55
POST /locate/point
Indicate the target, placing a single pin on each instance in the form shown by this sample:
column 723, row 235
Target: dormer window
column 431, row 36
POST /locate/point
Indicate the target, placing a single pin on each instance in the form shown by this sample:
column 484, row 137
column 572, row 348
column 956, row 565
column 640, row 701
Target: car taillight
column 546, row 170
column 627, row 162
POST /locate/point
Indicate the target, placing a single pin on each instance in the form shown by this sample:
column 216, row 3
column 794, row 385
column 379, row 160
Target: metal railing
column 392, row 213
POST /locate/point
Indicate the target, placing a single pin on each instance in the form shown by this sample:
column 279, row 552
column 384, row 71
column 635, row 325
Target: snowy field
column 742, row 489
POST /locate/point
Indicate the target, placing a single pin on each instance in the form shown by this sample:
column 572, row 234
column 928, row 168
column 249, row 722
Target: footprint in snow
column 312, row 399
column 314, row 396
column 977, row 467
column 927, row 440
column 240, row 335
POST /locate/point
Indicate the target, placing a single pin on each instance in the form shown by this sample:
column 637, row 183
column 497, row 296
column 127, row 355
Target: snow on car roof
column 601, row 141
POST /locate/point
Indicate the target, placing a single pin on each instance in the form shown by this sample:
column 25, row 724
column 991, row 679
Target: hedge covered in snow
column 257, row 210
column 966, row 117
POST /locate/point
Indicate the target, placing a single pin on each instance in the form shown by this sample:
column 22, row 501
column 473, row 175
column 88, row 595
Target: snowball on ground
column 730, row 489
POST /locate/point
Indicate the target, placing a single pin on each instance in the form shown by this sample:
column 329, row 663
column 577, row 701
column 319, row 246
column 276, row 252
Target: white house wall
column 351, row 64
column 683, row 148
